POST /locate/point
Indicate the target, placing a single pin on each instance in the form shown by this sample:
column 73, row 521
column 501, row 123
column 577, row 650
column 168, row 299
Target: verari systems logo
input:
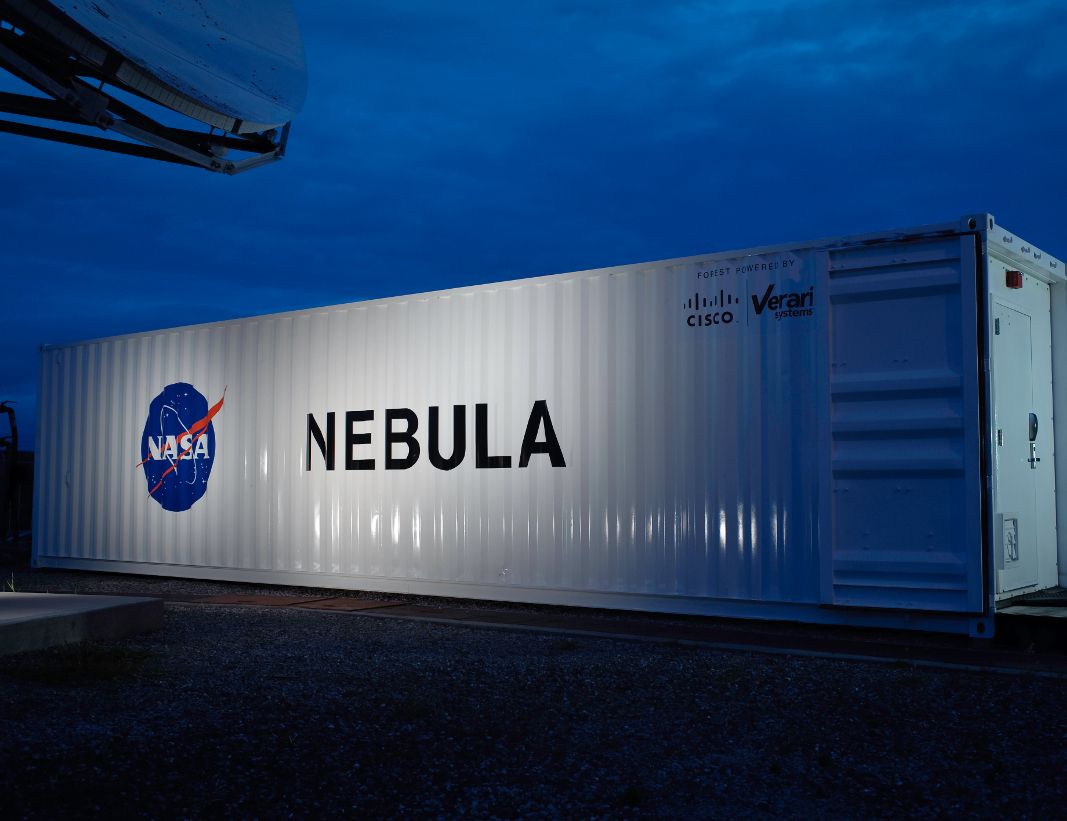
column 784, row 306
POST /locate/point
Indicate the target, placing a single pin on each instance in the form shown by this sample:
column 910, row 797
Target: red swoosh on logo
column 198, row 429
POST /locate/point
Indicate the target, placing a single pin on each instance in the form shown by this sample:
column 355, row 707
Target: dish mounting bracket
column 61, row 75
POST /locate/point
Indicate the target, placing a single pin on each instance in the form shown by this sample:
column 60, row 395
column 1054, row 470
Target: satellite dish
column 237, row 66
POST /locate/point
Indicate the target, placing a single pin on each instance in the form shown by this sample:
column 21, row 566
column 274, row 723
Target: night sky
column 445, row 145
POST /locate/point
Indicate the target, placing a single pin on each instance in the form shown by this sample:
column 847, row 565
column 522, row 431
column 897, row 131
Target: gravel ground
column 247, row 712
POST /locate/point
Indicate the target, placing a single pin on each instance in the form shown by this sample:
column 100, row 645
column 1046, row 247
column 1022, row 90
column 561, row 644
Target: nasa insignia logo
column 178, row 446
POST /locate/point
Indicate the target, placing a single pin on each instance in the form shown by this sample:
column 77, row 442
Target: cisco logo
column 710, row 309
column 178, row 446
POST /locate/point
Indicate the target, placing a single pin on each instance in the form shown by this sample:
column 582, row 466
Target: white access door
column 1016, row 482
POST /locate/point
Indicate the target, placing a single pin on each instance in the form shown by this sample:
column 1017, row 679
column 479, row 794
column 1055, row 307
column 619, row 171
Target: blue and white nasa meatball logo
column 178, row 446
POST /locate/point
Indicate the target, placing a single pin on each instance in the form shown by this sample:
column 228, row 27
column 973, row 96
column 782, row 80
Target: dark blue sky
column 445, row 146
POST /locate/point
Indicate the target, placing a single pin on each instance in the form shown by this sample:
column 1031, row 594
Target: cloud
column 451, row 145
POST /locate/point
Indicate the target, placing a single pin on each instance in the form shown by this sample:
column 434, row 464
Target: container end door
column 904, row 427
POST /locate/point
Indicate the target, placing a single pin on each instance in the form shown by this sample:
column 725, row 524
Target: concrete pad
column 347, row 605
column 31, row 621
column 1029, row 610
column 256, row 599
column 491, row 617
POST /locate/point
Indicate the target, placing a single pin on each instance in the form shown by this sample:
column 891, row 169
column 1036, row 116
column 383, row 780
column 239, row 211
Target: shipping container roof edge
column 1012, row 250
column 1000, row 243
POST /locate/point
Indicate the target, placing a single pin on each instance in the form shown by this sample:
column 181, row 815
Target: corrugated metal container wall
column 691, row 450
column 801, row 431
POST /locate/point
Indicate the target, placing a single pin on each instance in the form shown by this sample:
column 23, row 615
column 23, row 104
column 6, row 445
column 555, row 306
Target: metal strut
column 76, row 103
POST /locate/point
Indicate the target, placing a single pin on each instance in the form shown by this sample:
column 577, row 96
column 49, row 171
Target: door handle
column 1033, row 460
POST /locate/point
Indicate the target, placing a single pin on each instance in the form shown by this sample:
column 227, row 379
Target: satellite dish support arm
column 91, row 106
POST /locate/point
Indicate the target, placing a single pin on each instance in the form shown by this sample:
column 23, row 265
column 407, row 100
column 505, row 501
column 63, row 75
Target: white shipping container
column 837, row 431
